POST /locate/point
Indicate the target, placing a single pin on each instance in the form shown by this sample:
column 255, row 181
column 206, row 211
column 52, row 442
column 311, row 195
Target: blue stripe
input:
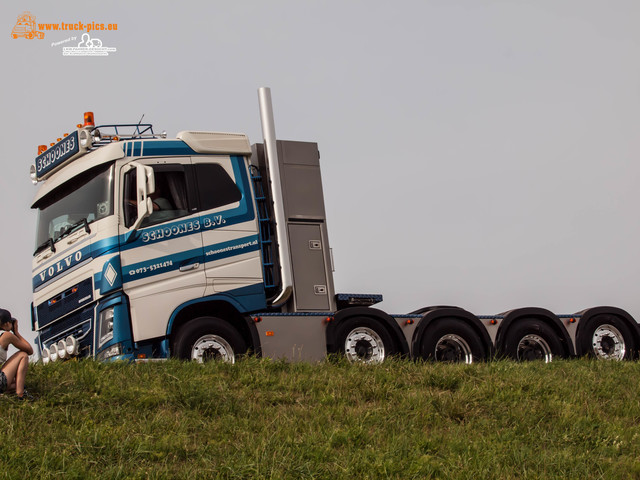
column 231, row 248
column 137, row 147
column 169, row 263
column 160, row 265
column 166, row 147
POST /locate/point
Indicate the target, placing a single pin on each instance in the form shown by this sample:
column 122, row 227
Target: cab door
column 229, row 226
column 161, row 262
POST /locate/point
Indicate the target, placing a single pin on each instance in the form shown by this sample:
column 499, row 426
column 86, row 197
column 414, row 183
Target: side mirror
column 145, row 186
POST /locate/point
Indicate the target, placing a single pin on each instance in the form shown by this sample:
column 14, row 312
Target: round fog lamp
column 72, row 345
column 53, row 352
column 45, row 356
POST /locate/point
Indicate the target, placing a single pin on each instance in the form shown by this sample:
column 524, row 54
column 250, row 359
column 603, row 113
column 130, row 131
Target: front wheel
column 607, row 337
column 532, row 340
column 452, row 341
column 364, row 340
column 209, row 339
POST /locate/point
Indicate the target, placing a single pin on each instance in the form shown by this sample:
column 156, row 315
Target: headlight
column 109, row 352
column 106, row 325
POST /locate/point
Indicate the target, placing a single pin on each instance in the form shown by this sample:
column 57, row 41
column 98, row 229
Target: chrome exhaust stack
column 269, row 134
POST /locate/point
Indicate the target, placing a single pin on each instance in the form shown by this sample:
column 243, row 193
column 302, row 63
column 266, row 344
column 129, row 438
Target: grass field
column 263, row 419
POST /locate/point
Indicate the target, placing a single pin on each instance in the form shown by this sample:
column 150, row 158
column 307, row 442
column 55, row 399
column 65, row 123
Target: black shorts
column 3, row 382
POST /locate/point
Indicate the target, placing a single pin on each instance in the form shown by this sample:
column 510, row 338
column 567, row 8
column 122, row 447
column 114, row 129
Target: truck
column 26, row 27
column 205, row 247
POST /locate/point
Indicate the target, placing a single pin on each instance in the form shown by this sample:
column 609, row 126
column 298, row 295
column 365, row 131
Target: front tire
column 532, row 340
column 608, row 338
column 209, row 339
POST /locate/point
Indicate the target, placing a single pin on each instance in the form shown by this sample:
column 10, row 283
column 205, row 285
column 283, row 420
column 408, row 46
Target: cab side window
column 170, row 200
column 215, row 187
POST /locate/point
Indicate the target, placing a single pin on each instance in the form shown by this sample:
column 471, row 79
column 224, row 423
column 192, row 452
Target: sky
column 476, row 153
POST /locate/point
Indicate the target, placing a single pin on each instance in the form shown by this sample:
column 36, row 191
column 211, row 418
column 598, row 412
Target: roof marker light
column 42, row 149
column 88, row 119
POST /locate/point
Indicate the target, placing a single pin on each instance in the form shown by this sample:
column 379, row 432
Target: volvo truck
column 205, row 247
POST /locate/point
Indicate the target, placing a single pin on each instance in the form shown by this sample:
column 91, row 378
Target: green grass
column 264, row 419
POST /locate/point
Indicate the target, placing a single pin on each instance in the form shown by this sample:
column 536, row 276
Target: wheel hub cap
column 608, row 343
column 364, row 345
column 454, row 349
column 212, row 347
column 534, row 347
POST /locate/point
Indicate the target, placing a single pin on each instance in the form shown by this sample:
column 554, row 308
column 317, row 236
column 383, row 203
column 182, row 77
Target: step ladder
column 267, row 241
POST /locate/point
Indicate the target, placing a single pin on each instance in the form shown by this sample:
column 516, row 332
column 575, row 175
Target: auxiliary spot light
column 53, row 352
column 45, row 356
column 72, row 346
column 62, row 350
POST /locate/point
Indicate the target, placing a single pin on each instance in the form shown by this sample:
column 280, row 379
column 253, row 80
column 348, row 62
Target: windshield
column 88, row 196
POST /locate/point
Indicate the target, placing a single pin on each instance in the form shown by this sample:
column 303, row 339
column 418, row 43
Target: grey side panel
column 295, row 338
column 308, row 259
column 301, row 182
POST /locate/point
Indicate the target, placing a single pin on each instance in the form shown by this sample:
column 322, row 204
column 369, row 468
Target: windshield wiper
column 74, row 227
column 47, row 243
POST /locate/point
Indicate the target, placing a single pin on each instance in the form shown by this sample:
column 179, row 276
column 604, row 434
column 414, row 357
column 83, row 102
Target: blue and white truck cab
column 204, row 247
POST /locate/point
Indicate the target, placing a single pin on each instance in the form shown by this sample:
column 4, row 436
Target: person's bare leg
column 21, row 374
column 11, row 367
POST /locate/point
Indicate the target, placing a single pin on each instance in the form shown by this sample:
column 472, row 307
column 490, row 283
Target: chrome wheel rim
column 608, row 343
column 534, row 347
column 212, row 348
column 364, row 345
column 453, row 349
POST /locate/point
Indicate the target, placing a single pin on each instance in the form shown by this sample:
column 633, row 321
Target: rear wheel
column 363, row 339
column 452, row 341
column 608, row 338
column 533, row 340
column 209, row 339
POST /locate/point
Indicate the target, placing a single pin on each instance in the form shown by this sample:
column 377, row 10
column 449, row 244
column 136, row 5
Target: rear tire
column 532, row 340
column 608, row 338
column 365, row 340
column 453, row 341
column 209, row 339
